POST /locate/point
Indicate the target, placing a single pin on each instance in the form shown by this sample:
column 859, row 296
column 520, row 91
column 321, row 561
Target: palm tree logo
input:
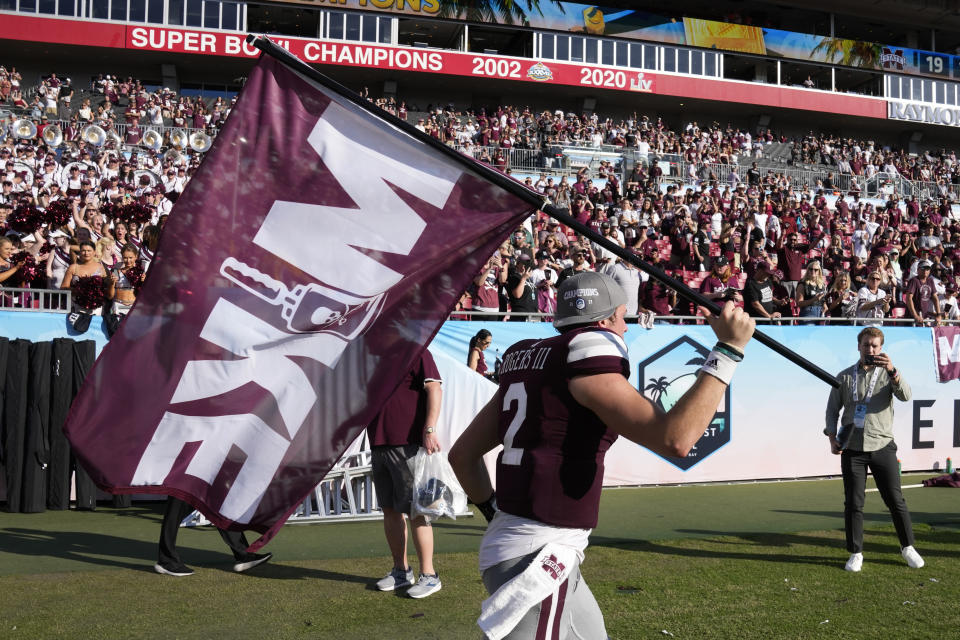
column 663, row 392
column 656, row 388
column 666, row 375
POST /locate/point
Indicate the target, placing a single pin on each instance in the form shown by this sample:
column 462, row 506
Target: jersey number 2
column 515, row 392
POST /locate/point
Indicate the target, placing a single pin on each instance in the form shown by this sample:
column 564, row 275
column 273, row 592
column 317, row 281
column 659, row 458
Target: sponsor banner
column 336, row 246
column 946, row 116
column 773, row 428
column 772, row 424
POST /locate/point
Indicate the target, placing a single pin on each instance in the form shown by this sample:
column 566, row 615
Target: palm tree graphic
column 503, row 11
column 851, row 53
column 656, row 387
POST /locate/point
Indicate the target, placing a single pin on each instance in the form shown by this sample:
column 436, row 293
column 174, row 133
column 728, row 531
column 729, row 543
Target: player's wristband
column 735, row 354
column 719, row 365
column 488, row 507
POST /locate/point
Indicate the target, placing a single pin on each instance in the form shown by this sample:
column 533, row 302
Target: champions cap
column 587, row 297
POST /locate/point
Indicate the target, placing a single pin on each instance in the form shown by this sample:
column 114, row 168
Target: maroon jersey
column 401, row 420
column 551, row 466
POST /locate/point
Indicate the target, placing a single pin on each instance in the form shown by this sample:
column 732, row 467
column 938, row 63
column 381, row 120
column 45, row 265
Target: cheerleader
column 58, row 260
column 123, row 283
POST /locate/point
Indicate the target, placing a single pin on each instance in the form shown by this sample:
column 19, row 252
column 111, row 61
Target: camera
column 870, row 360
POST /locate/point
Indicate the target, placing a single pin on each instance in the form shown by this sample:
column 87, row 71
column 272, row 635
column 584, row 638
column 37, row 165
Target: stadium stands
column 697, row 192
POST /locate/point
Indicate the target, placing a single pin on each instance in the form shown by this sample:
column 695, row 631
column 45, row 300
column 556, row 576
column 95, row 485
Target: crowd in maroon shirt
column 763, row 219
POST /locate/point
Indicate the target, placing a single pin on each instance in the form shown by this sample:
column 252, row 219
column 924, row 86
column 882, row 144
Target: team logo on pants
column 551, row 565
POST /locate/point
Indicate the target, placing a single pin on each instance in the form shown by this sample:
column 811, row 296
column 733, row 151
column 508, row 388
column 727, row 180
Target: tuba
column 114, row 139
column 173, row 156
column 52, row 135
column 152, row 140
column 92, row 134
column 153, row 178
column 23, row 129
column 179, row 138
column 200, row 141
column 26, row 170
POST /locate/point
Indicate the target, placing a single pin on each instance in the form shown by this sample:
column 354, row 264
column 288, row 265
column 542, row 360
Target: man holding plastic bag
column 562, row 402
column 405, row 424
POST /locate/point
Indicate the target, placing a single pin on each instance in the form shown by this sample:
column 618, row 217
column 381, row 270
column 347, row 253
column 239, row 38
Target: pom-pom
column 134, row 212
column 89, row 292
column 109, row 209
column 28, row 271
column 26, row 219
column 58, row 213
column 135, row 276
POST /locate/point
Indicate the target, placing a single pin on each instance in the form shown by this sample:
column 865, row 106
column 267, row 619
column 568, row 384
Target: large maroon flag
column 310, row 260
column 946, row 352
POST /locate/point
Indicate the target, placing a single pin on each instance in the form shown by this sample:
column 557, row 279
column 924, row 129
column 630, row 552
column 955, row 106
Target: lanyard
column 870, row 385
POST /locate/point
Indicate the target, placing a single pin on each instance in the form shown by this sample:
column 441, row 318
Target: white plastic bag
column 436, row 492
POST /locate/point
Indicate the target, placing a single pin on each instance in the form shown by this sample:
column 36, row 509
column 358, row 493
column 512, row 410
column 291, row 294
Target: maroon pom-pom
column 134, row 212
column 109, row 209
column 26, row 219
column 135, row 275
column 58, row 213
column 89, row 292
column 28, row 271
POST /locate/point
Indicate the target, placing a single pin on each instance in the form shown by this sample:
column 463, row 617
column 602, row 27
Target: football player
column 561, row 403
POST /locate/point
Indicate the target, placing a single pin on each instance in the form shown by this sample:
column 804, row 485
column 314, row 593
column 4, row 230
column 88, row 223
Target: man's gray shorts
column 571, row 613
column 393, row 475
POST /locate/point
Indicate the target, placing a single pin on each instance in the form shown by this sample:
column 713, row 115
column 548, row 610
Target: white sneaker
column 425, row 586
column 396, row 579
column 855, row 563
column 912, row 557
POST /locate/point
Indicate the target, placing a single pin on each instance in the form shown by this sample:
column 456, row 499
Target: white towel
column 501, row 612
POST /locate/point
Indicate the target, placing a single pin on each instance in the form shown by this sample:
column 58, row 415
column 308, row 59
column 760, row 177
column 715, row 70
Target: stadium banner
column 311, row 258
column 594, row 20
column 923, row 113
column 457, row 63
column 771, row 423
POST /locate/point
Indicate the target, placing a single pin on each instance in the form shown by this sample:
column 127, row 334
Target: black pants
column 883, row 464
column 173, row 515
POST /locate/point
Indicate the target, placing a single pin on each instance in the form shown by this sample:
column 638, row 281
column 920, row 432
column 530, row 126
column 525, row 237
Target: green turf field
column 723, row 561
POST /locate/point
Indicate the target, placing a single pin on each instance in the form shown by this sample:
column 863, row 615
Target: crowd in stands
column 87, row 215
column 782, row 250
column 866, row 158
column 509, row 127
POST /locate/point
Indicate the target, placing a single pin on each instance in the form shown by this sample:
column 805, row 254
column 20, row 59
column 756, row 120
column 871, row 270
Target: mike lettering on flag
column 313, row 255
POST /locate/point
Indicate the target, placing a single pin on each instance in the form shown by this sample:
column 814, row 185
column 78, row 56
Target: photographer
column 864, row 405
column 521, row 292
column 715, row 285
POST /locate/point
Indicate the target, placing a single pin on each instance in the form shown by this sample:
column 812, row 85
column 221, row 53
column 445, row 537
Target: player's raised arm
column 622, row 408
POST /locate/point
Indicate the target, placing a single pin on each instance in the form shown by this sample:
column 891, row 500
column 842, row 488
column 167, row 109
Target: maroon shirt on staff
column 401, row 420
